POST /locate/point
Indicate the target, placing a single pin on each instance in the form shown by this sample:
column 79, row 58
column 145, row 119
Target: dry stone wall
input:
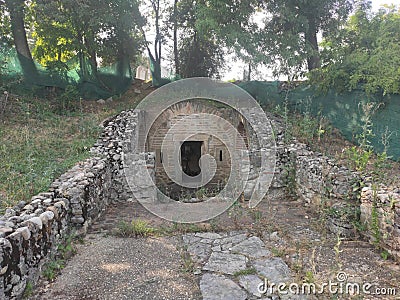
column 30, row 232
column 318, row 180
column 380, row 211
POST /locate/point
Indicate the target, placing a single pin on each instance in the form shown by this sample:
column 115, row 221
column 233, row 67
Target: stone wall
column 380, row 211
column 31, row 231
column 319, row 181
column 352, row 205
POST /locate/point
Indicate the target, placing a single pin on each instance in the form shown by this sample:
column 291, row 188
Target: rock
column 9, row 213
column 219, row 287
column 18, row 289
column 110, row 99
column 25, row 232
column 199, row 251
column 15, row 279
column 225, row 263
column 197, row 272
column 253, row 247
column 28, row 207
column 274, row 236
column 274, row 269
column 77, row 220
column 5, row 230
column 3, row 270
column 251, row 283
column 21, row 204
column 208, row 235
column 235, row 239
column 37, row 222
column 190, row 239
column 47, row 202
column 47, row 216
column 101, row 101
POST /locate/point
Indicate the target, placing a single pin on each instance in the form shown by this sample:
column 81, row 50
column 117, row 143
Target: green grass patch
column 249, row 271
column 39, row 142
column 53, row 268
column 136, row 228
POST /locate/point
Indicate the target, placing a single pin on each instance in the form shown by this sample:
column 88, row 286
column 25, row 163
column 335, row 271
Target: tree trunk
column 16, row 9
column 313, row 60
column 176, row 53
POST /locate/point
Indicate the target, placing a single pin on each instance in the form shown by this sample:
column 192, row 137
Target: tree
column 200, row 57
column 290, row 32
column 175, row 29
column 230, row 24
column 365, row 54
column 16, row 11
column 200, row 51
column 5, row 27
column 109, row 30
column 157, row 10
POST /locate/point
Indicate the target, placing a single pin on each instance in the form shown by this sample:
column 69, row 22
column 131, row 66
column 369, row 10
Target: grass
column 249, row 271
column 187, row 262
column 136, row 228
column 28, row 290
column 39, row 142
column 53, row 268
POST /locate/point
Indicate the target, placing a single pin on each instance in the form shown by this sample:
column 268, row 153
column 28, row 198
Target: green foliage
column 249, row 271
column 385, row 255
column 289, row 176
column 309, row 277
column 290, row 32
column 374, row 224
column 28, row 290
column 200, row 57
column 360, row 156
column 365, row 54
column 200, row 51
column 136, row 228
column 188, row 264
column 66, row 249
column 68, row 100
column 37, row 145
column 108, row 29
column 52, row 269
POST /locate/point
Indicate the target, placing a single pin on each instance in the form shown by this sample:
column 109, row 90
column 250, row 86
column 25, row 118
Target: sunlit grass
column 38, row 144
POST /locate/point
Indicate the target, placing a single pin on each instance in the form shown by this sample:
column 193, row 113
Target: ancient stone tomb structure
column 31, row 231
column 193, row 148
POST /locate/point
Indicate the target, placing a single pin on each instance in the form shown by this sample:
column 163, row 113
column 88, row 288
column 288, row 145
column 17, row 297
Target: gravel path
column 123, row 268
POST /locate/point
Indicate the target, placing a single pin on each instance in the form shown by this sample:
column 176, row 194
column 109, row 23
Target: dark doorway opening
column 190, row 158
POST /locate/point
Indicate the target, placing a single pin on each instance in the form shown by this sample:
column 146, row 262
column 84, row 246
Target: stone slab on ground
column 274, row 269
column 253, row 247
column 225, row 263
column 219, row 287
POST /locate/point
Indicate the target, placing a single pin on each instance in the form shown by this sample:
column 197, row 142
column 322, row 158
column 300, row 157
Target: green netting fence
column 91, row 81
column 344, row 111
